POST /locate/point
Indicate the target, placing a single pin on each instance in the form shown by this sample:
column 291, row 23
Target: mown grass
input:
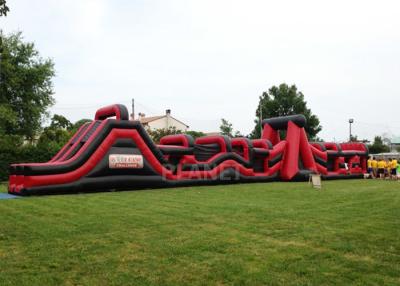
column 248, row 234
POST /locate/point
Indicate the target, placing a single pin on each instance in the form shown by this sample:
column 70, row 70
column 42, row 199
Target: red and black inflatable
column 116, row 153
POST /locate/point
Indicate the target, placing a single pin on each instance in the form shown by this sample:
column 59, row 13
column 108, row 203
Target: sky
column 211, row 59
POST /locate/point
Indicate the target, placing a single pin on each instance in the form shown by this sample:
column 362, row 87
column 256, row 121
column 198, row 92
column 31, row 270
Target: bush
column 13, row 149
column 9, row 153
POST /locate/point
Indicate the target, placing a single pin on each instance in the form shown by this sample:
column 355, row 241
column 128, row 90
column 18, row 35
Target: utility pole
column 351, row 120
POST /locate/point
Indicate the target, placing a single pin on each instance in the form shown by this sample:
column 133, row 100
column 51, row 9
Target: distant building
column 395, row 144
column 162, row 121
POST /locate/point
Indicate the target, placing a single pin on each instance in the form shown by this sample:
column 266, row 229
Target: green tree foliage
column 14, row 149
column 353, row 138
column 195, row 134
column 10, row 152
column 226, row 128
column 157, row 134
column 285, row 100
column 25, row 94
column 78, row 124
column 60, row 122
column 50, row 142
column 3, row 8
column 378, row 146
column 54, row 137
column 25, row 86
column 57, row 134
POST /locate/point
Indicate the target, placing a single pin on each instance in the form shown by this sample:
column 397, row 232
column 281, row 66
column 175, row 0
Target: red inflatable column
column 290, row 166
column 271, row 134
column 363, row 162
column 306, row 153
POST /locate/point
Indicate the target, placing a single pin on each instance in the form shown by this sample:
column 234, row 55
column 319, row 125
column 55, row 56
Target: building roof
column 145, row 120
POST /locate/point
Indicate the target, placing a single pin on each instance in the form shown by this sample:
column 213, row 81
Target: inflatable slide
column 115, row 153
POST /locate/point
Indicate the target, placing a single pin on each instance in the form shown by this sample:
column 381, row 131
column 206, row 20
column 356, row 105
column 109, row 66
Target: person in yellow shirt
column 388, row 167
column 381, row 168
column 369, row 167
column 374, row 165
column 393, row 169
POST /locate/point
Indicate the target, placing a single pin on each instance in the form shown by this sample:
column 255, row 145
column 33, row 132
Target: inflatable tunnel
column 115, row 153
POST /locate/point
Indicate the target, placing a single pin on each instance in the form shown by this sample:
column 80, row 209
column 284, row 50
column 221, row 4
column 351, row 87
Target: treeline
column 16, row 149
column 157, row 134
column 380, row 145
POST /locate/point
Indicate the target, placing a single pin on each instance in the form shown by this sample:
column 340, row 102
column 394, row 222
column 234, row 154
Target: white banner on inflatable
column 125, row 161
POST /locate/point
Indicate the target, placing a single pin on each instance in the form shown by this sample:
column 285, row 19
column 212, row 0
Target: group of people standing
column 383, row 168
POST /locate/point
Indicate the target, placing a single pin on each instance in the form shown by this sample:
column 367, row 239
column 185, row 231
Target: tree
column 25, row 94
column 57, row 134
column 55, row 138
column 25, row 86
column 3, row 8
column 285, row 100
column 353, row 138
column 378, row 146
column 9, row 153
column 195, row 134
column 226, row 127
column 78, row 124
column 157, row 134
column 386, row 139
column 60, row 122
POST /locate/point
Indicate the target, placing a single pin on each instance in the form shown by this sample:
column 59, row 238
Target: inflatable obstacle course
column 114, row 153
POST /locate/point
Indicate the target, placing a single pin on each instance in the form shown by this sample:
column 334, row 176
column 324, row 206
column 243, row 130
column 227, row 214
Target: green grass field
column 249, row 234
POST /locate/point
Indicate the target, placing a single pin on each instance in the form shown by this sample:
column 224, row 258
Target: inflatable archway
column 116, row 153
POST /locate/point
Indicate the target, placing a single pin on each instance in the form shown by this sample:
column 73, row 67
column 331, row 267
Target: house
column 162, row 122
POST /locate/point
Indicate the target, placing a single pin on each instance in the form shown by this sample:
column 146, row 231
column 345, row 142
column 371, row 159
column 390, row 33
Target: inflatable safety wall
column 114, row 153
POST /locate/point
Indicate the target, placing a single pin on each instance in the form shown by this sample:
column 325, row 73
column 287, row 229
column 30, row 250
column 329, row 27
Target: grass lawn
column 249, row 234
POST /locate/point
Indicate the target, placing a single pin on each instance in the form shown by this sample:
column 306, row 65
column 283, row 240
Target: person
column 398, row 171
column 374, row 165
column 388, row 167
column 381, row 168
column 346, row 166
column 369, row 167
column 393, row 169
